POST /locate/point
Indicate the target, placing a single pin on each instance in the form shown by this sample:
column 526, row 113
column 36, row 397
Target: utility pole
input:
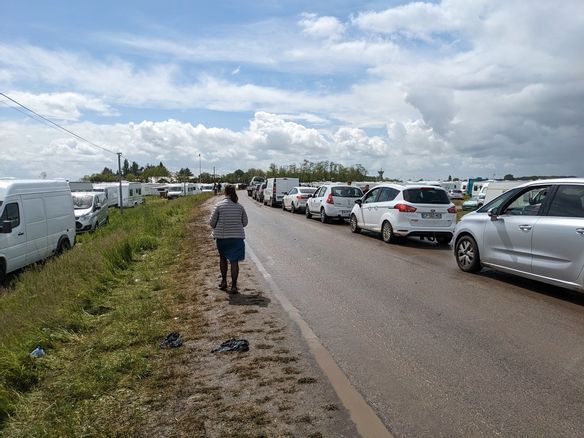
column 200, row 169
column 214, row 179
column 120, row 199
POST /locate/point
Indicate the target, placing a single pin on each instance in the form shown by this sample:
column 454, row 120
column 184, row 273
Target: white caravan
column 495, row 188
column 181, row 189
column 131, row 193
column 81, row 186
column 36, row 221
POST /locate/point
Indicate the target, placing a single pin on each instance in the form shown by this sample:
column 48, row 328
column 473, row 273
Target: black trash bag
column 172, row 340
column 232, row 345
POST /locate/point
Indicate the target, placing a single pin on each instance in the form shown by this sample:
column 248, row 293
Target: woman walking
column 227, row 221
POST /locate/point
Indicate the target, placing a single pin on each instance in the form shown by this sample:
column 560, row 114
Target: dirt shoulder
column 274, row 389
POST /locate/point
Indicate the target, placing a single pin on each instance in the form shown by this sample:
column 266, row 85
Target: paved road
column 434, row 351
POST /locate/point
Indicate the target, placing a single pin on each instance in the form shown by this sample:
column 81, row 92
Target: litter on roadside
column 232, row 345
column 172, row 340
column 37, row 352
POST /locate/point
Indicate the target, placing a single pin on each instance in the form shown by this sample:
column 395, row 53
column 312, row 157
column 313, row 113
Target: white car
column 455, row 194
column 535, row 231
column 399, row 211
column 332, row 201
column 296, row 198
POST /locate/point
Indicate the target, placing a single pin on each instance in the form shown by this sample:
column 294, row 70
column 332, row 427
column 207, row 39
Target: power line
column 55, row 124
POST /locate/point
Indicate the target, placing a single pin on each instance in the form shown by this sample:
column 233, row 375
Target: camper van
column 131, row 193
column 91, row 210
column 36, row 221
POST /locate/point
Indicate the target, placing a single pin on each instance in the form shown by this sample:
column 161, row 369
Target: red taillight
column 405, row 208
column 452, row 209
column 301, row 197
column 329, row 199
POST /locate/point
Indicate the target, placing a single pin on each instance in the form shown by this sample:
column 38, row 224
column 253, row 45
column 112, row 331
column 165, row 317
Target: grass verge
column 98, row 311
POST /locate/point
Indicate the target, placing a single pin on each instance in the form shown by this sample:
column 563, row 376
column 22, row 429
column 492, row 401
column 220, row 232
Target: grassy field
column 99, row 311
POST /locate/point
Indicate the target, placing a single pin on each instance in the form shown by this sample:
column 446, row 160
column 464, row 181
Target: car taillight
column 329, row 199
column 300, row 197
column 274, row 188
column 452, row 209
column 405, row 208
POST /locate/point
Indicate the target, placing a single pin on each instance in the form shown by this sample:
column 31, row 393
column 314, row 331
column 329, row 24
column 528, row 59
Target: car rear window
column 309, row 191
column 426, row 195
column 347, row 192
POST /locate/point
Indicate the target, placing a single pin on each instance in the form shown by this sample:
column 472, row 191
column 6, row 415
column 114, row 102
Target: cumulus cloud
column 321, row 27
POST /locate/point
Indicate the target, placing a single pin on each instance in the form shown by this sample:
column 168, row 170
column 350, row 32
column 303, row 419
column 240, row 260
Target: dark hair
column 230, row 191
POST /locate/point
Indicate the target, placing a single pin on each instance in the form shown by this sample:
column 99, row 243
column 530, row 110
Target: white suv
column 398, row 211
column 332, row 201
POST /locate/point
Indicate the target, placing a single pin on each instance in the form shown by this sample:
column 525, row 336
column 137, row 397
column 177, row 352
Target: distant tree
column 449, row 177
column 135, row 169
column 126, row 167
column 184, row 175
column 508, row 177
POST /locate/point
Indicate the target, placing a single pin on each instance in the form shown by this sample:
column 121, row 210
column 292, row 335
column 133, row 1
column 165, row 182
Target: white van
column 36, row 221
column 91, row 210
column 277, row 188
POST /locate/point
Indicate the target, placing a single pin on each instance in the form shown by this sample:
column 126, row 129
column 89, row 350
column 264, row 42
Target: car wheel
column 387, row 233
column 272, row 203
column 323, row 217
column 96, row 226
column 354, row 224
column 307, row 213
column 292, row 208
column 467, row 254
column 107, row 220
column 283, row 206
column 63, row 246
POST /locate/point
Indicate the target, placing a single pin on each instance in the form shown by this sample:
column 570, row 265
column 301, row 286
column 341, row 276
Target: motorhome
column 91, row 210
column 36, row 221
column 131, row 192
column 111, row 193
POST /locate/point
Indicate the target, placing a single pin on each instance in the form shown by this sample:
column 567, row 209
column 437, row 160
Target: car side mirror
column 493, row 214
column 358, row 202
column 6, row 227
column 97, row 206
column 284, row 193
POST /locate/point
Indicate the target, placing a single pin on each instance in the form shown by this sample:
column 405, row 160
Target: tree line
column 307, row 171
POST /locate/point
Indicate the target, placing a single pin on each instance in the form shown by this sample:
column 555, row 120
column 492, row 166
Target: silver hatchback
column 535, row 230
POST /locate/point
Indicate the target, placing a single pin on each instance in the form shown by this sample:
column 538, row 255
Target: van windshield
column 82, row 202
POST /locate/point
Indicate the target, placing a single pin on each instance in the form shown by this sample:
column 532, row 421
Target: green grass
column 99, row 312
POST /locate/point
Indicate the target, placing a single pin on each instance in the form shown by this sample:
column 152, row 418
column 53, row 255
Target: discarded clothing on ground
column 232, row 345
column 37, row 352
column 172, row 340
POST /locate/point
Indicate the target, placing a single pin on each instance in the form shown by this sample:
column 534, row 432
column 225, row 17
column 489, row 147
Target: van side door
column 35, row 220
column 13, row 244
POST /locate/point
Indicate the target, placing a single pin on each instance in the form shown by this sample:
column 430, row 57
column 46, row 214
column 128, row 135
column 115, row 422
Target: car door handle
column 580, row 231
column 525, row 227
column 21, row 233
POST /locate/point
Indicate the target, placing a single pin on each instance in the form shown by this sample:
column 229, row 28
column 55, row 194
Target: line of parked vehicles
column 534, row 230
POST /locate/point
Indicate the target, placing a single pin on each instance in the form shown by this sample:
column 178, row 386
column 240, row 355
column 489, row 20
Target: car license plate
column 432, row 215
column 345, row 211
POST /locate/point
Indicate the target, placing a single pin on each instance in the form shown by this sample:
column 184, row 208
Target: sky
column 460, row 88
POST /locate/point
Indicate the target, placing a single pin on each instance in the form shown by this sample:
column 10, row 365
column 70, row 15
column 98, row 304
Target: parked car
column 260, row 193
column 276, row 188
column 91, row 210
column 36, row 221
column 295, row 199
column 332, row 201
column 473, row 203
column 455, row 194
column 535, row 231
column 253, row 183
column 399, row 211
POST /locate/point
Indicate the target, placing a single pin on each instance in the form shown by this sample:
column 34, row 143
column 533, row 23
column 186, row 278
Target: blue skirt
column 232, row 249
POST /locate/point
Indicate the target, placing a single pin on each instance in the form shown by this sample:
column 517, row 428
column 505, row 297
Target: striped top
column 228, row 220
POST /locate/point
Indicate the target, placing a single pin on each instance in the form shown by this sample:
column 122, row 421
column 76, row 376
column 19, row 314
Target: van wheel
column 323, row 217
column 354, row 224
column 2, row 271
column 443, row 240
column 467, row 254
column 387, row 233
column 307, row 212
column 107, row 220
column 63, row 246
